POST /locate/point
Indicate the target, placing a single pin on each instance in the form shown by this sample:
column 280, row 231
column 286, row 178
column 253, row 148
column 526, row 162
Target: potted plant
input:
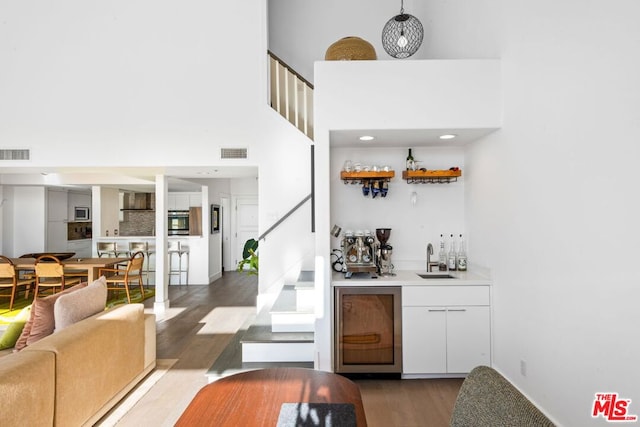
column 249, row 263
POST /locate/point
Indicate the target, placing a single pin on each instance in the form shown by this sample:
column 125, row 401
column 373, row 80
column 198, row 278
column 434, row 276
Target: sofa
column 488, row 399
column 74, row 376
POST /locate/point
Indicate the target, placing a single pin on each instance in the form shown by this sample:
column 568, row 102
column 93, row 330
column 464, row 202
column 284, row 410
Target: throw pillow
column 41, row 323
column 72, row 308
column 13, row 331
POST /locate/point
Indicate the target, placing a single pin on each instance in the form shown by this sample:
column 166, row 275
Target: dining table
column 91, row 266
column 277, row 397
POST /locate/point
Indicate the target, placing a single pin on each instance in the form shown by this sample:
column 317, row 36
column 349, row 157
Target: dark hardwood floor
column 202, row 321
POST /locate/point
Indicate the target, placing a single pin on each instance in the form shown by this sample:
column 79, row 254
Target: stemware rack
column 431, row 176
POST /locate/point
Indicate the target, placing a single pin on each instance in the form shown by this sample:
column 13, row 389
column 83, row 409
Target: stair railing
column 291, row 95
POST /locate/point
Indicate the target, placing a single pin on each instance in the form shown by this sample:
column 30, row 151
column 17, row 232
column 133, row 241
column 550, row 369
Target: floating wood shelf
column 431, row 176
column 347, row 176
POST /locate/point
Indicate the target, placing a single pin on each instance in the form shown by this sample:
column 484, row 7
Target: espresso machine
column 385, row 268
column 360, row 253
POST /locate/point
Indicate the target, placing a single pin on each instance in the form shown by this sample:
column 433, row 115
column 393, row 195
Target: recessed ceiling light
column 366, row 138
column 448, row 136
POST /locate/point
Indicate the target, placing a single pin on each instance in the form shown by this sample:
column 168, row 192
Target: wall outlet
column 523, row 368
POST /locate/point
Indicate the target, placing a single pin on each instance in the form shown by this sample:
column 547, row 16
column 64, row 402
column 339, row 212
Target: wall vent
column 233, row 153
column 7, row 154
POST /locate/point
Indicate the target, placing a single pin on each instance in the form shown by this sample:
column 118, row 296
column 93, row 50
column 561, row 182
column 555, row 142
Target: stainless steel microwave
column 81, row 213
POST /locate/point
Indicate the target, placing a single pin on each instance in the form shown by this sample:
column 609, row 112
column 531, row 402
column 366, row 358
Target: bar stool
column 144, row 248
column 176, row 248
column 109, row 249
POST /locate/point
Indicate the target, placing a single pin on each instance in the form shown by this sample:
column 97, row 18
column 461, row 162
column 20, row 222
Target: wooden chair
column 9, row 279
column 50, row 274
column 118, row 279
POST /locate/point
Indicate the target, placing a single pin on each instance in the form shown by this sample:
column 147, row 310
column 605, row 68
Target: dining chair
column 117, row 279
column 109, row 249
column 144, row 248
column 50, row 274
column 9, row 279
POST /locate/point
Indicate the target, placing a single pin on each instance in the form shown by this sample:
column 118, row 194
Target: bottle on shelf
column 451, row 260
column 442, row 256
column 462, row 256
column 410, row 162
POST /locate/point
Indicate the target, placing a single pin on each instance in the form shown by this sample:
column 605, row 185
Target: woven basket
column 349, row 49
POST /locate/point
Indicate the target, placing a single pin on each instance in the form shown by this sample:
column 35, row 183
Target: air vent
column 233, row 153
column 15, row 155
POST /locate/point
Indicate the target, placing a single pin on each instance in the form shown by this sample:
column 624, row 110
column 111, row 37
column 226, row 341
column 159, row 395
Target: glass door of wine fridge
column 368, row 330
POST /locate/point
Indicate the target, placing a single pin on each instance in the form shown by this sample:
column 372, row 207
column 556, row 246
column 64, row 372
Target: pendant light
column 402, row 35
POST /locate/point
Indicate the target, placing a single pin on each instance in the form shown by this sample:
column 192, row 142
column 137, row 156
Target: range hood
column 138, row 202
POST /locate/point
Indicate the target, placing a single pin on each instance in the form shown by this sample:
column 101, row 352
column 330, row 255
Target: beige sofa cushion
column 78, row 305
column 27, row 388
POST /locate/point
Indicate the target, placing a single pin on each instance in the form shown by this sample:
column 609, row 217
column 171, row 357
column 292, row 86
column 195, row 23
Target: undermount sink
column 436, row 276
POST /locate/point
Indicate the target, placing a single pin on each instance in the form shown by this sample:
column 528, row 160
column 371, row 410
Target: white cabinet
column 183, row 201
column 195, row 200
column 446, row 329
column 82, row 248
column 178, row 202
column 57, row 205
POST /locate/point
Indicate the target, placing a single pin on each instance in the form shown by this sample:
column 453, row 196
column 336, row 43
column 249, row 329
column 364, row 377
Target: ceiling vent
column 15, row 154
column 233, row 153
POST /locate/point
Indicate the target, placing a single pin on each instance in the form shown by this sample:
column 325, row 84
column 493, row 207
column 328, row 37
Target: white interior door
column 227, row 254
column 246, row 223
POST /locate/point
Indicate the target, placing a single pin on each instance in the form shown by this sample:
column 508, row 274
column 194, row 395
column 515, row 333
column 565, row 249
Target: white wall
column 24, row 222
column 453, row 29
column 439, row 208
column 551, row 201
column 129, row 85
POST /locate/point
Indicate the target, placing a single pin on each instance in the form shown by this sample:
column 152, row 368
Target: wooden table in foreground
column 90, row 265
column 254, row 398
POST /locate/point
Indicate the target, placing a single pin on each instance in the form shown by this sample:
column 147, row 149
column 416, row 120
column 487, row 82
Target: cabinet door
column 468, row 338
column 57, row 206
column 56, row 236
column 424, row 341
column 178, row 202
column 195, row 200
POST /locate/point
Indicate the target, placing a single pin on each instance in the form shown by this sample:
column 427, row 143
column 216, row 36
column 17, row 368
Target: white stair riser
column 305, row 299
column 292, row 322
column 277, row 352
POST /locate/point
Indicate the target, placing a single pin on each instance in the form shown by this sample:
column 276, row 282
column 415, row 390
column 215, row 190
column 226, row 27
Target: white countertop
column 411, row 278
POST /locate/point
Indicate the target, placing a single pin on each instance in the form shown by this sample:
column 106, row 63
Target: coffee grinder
column 385, row 268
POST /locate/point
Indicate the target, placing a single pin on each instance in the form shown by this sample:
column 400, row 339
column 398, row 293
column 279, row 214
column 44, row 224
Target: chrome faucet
column 429, row 253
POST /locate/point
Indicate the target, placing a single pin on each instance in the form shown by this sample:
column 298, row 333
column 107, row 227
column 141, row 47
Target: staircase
column 280, row 335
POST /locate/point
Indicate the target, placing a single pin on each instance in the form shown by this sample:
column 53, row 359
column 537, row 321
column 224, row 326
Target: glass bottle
column 410, row 161
column 442, row 256
column 462, row 256
column 451, row 262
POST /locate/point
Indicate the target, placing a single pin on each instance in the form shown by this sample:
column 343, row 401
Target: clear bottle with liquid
column 442, row 256
column 410, row 161
column 462, row 256
column 451, row 259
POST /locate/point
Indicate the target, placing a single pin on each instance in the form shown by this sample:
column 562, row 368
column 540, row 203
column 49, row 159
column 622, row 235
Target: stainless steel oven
column 178, row 223
column 368, row 329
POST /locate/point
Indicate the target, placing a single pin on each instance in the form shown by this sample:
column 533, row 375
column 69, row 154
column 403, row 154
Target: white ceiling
column 129, row 179
column 406, row 137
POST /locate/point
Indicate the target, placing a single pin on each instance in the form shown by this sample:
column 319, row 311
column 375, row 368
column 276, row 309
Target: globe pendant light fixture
column 402, row 35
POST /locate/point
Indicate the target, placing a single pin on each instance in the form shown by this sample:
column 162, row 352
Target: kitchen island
column 196, row 257
column 445, row 323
